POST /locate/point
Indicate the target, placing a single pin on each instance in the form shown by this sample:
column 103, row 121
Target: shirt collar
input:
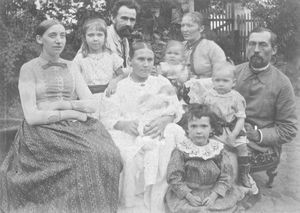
column 262, row 75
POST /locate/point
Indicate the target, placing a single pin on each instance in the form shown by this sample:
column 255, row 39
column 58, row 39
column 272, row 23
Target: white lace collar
column 210, row 150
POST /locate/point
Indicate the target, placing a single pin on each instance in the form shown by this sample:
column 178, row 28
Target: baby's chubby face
column 174, row 55
column 223, row 80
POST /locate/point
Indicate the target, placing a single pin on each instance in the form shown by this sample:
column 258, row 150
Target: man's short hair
column 273, row 38
column 132, row 4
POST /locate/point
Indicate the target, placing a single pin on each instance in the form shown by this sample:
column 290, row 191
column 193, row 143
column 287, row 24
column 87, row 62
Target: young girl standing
column 200, row 171
column 100, row 67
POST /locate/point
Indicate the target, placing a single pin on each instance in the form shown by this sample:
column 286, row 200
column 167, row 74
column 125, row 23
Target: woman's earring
column 211, row 134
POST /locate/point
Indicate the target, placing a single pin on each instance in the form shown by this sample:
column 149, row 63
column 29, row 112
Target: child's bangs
column 97, row 26
column 100, row 27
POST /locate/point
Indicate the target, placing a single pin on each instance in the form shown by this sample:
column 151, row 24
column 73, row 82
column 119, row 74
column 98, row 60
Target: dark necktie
column 58, row 64
column 124, row 52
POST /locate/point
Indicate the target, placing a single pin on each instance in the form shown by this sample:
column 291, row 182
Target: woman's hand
column 73, row 114
column 130, row 127
column 81, row 116
column 87, row 106
column 156, row 127
column 193, row 200
column 210, row 200
column 111, row 88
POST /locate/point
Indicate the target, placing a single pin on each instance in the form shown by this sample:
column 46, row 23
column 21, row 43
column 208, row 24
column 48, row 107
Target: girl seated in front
column 200, row 171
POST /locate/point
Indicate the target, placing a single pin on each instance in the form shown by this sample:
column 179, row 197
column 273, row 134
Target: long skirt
column 61, row 167
column 135, row 195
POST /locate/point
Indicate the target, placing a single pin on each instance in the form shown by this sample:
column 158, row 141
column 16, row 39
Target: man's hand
column 156, row 127
column 252, row 134
column 130, row 127
column 193, row 200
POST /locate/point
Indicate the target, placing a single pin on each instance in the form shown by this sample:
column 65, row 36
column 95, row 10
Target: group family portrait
column 140, row 106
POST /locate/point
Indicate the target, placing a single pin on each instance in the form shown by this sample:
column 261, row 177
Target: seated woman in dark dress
column 61, row 160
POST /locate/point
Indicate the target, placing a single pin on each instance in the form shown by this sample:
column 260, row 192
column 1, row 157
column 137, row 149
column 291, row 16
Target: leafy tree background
column 18, row 19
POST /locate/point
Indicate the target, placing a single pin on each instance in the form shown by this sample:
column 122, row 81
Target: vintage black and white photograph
column 149, row 106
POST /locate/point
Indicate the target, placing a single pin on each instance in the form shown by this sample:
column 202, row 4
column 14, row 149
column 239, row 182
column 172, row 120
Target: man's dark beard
column 256, row 61
column 125, row 32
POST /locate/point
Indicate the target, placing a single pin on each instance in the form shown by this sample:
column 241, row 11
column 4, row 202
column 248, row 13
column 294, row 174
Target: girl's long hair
column 100, row 25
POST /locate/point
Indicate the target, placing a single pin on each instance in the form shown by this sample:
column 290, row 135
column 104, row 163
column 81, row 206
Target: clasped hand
column 87, row 106
column 154, row 129
column 196, row 201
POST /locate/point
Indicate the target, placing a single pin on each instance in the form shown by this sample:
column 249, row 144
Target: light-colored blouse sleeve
column 240, row 106
column 111, row 110
column 216, row 53
column 117, row 61
column 76, row 61
column 198, row 88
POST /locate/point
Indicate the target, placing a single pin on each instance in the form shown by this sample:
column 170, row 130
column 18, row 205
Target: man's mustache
column 256, row 56
column 125, row 31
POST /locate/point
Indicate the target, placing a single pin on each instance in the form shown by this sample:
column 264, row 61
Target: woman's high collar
column 190, row 44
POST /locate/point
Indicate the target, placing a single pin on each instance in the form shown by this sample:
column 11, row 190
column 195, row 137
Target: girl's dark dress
column 200, row 170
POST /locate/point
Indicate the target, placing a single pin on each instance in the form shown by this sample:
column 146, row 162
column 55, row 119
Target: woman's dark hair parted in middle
column 137, row 46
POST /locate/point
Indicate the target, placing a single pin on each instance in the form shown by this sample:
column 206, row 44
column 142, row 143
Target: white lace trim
column 210, row 150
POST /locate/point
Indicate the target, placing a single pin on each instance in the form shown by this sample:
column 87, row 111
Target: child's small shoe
column 245, row 180
column 254, row 189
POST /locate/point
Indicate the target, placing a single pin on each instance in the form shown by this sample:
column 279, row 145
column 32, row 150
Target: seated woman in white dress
column 123, row 121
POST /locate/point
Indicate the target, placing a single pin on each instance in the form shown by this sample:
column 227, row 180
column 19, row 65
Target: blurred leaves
column 283, row 18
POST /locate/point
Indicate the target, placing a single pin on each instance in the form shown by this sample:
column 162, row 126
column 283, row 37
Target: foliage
column 282, row 17
column 17, row 26
column 18, row 19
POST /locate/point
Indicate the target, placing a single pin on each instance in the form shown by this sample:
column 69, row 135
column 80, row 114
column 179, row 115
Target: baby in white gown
column 152, row 106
